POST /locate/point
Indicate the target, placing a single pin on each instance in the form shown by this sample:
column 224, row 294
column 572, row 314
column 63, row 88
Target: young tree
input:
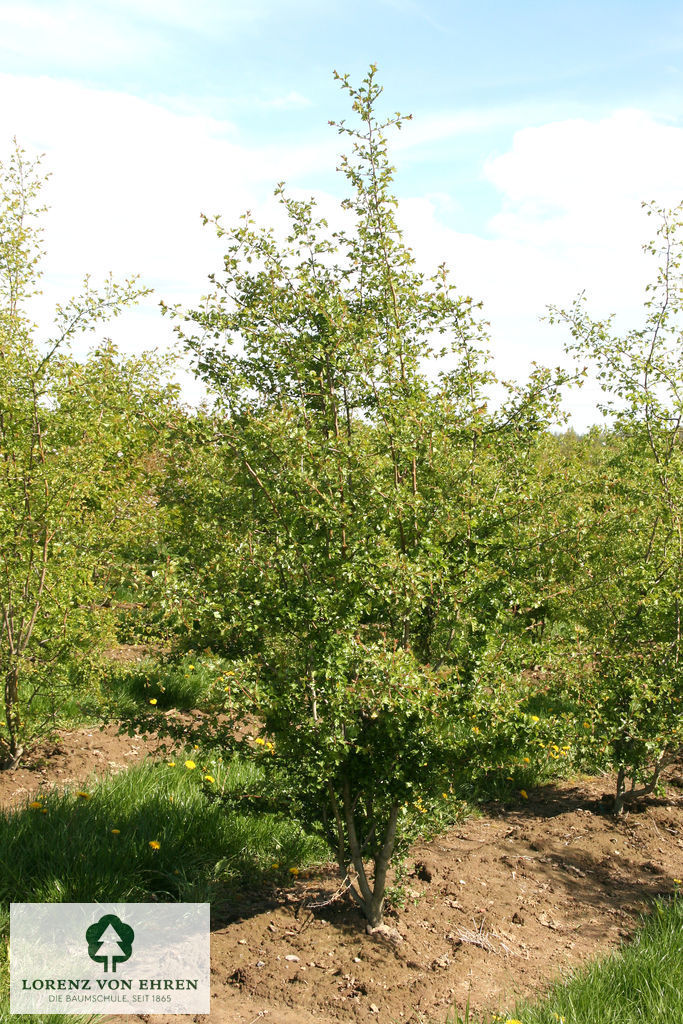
column 74, row 439
column 368, row 524
column 627, row 512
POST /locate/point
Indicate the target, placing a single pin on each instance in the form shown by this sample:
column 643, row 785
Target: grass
column 184, row 684
column 158, row 831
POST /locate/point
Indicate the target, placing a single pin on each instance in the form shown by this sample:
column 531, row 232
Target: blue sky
column 538, row 128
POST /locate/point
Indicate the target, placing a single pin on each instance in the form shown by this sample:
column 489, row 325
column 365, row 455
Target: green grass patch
column 103, row 844
column 158, row 831
column 185, row 684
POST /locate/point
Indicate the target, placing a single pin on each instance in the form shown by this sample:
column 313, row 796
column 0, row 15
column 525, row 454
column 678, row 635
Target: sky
column 538, row 129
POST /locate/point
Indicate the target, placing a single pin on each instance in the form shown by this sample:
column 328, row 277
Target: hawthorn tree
column 367, row 499
column 75, row 438
column 626, row 557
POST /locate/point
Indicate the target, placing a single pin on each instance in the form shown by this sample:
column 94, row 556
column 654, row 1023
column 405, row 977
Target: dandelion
column 294, row 871
column 275, row 866
column 116, row 831
column 476, row 730
column 586, row 725
column 445, row 796
column 83, row 795
column 523, row 793
column 526, row 760
column 190, row 667
column 36, row 805
column 535, row 718
column 172, row 764
column 510, row 779
column 190, row 765
column 44, row 810
column 155, row 844
column 678, row 881
column 153, row 700
column 259, row 742
column 209, row 778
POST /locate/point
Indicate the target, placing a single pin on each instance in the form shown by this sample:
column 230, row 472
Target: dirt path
column 495, row 908
column 70, row 759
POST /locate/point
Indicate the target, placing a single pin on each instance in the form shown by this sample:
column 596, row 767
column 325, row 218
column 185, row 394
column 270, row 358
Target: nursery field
column 368, row 650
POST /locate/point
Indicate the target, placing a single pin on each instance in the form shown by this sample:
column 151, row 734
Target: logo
column 110, row 942
column 110, row 958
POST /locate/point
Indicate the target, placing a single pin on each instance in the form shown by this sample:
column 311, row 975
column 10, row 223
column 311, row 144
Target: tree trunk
column 12, row 712
column 370, row 898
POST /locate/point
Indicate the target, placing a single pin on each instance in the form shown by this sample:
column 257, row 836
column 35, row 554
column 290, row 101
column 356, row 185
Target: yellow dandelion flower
column 586, row 725
column 678, row 881
column 275, row 866
column 44, row 810
column 83, row 795
column 116, row 831
column 294, row 871
column 190, row 765
column 209, row 778
column 153, row 700
column 259, row 742
column 172, row 764
column 523, row 793
column 526, row 760
column 476, row 730
column 535, row 718
column 190, row 667
column 510, row 779
column 445, row 796
column 155, row 844
column 36, row 805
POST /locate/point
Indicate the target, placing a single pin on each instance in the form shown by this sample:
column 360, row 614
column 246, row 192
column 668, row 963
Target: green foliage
column 75, row 485
column 359, row 552
column 619, row 537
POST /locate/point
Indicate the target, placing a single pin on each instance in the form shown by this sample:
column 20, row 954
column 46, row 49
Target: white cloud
column 130, row 178
column 292, row 101
column 75, row 35
column 570, row 219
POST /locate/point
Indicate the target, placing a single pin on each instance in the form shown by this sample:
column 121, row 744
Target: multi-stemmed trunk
column 368, row 892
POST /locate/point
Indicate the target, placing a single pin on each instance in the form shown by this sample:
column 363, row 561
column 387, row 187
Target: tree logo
column 110, row 941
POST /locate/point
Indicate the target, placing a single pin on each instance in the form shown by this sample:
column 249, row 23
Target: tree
column 627, row 536
column 74, row 479
column 110, row 941
column 369, row 534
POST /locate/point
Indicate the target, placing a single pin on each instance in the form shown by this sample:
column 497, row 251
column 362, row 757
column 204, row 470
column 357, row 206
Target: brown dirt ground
column 496, row 908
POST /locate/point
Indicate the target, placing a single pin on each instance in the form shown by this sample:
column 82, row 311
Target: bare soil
column 495, row 908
